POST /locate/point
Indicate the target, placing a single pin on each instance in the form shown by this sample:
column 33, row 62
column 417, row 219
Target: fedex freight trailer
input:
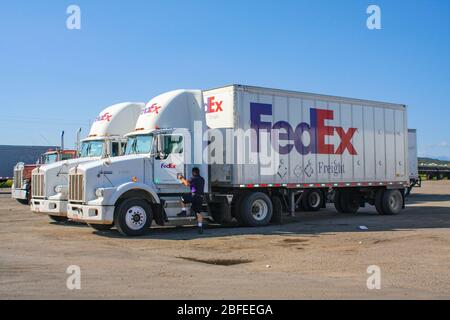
column 261, row 151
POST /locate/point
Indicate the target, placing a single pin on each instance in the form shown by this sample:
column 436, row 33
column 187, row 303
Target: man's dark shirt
column 197, row 184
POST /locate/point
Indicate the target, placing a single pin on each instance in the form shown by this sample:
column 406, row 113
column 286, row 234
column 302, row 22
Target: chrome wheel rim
column 135, row 218
column 260, row 209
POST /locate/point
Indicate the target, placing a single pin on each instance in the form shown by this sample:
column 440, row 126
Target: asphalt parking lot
column 321, row 255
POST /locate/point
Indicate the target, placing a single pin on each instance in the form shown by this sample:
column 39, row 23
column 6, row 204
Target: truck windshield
column 92, row 148
column 140, row 144
column 50, row 158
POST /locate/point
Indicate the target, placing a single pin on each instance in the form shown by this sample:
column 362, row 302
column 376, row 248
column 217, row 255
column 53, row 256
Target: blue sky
column 52, row 78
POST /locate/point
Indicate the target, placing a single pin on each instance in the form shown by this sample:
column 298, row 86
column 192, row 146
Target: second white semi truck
column 105, row 140
column 280, row 148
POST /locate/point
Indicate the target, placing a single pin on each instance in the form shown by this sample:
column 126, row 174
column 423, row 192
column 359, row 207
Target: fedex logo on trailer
column 213, row 105
column 316, row 129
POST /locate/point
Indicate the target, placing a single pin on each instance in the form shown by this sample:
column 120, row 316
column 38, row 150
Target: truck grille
column 76, row 187
column 18, row 174
column 37, row 185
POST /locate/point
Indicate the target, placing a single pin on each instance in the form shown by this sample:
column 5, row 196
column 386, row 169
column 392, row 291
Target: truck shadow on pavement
column 421, row 198
column 324, row 222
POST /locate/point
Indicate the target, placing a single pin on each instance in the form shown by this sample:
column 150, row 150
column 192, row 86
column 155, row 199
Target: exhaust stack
column 62, row 140
column 78, row 140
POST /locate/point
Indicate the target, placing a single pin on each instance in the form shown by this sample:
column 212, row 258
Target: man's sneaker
column 182, row 214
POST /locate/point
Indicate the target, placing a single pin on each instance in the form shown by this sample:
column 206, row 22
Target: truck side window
column 173, row 144
column 115, row 149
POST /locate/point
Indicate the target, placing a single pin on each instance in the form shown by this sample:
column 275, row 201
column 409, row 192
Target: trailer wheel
column 312, row 200
column 379, row 201
column 133, row 217
column 256, row 210
column 277, row 215
column 349, row 202
column 392, row 202
column 58, row 219
column 101, row 227
column 337, row 201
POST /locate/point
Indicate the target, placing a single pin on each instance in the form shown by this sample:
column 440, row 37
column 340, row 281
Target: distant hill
column 433, row 162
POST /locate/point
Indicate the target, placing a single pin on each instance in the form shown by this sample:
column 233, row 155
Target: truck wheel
column 58, row 219
column 349, row 202
column 133, row 217
column 256, row 210
column 312, row 200
column 23, row 201
column 236, row 207
column 392, row 202
column 101, row 227
column 338, row 200
column 219, row 213
column 277, row 215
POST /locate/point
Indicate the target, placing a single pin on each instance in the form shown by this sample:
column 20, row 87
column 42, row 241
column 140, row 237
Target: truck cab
column 21, row 188
column 144, row 181
column 105, row 140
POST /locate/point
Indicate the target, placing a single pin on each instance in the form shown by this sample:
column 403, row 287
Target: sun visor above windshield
column 116, row 120
column 174, row 109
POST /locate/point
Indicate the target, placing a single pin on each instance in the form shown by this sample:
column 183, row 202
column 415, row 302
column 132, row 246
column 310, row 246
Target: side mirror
column 108, row 148
column 159, row 144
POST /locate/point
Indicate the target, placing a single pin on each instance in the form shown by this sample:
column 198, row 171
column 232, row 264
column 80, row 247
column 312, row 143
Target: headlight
column 60, row 189
column 99, row 192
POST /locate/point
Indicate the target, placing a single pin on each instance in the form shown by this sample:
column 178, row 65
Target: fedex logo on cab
column 154, row 108
column 104, row 117
column 317, row 130
column 168, row 166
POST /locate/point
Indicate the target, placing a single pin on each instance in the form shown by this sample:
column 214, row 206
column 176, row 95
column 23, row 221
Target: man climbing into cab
column 195, row 198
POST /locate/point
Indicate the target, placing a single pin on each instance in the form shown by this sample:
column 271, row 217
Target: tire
column 25, row 202
column 349, row 203
column 236, row 208
column 133, row 217
column 101, row 227
column 219, row 213
column 312, row 200
column 256, row 210
column 277, row 215
column 337, row 201
column 392, row 202
column 58, row 219
column 379, row 201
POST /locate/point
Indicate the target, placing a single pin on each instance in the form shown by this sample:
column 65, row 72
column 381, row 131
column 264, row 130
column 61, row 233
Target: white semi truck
column 282, row 148
column 106, row 139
